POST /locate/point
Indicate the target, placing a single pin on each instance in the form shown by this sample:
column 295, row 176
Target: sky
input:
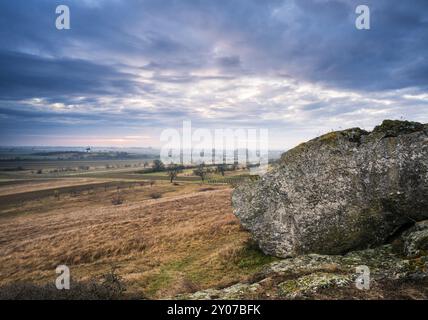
column 127, row 70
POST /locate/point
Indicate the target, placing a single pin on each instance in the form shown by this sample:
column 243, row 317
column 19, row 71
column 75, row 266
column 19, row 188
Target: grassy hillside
column 162, row 240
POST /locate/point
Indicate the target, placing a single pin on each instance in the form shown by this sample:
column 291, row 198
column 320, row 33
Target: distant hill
column 75, row 153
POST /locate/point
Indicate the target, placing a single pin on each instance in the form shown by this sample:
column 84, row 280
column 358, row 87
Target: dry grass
column 185, row 241
column 41, row 185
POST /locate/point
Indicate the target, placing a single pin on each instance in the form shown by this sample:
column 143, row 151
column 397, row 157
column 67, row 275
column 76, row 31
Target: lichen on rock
column 343, row 191
column 312, row 283
column 306, row 276
column 414, row 242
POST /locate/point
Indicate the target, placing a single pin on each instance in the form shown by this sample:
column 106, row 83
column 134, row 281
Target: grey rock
column 415, row 240
column 296, row 278
column 237, row 291
column 342, row 191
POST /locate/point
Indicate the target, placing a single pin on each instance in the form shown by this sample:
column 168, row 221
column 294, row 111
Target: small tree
column 200, row 172
column 221, row 168
column 158, row 165
column 173, row 171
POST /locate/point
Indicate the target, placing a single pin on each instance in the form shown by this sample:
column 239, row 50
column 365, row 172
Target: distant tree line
column 201, row 170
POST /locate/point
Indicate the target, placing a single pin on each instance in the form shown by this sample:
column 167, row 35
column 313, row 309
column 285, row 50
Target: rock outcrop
column 414, row 242
column 316, row 276
column 343, row 191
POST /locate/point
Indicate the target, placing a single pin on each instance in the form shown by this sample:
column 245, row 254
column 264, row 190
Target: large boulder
column 342, row 191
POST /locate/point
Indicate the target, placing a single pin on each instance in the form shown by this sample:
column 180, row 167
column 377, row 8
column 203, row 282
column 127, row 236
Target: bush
column 109, row 287
column 113, row 283
column 155, row 195
column 158, row 166
column 117, row 200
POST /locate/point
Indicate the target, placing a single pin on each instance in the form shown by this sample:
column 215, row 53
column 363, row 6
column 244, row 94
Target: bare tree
column 221, row 168
column 173, row 171
column 201, row 172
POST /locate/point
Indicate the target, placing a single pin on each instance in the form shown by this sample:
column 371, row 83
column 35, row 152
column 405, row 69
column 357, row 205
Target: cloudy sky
column 129, row 69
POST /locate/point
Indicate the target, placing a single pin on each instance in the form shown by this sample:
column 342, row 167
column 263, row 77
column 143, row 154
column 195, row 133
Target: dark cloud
column 313, row 40
column 25, row 76
column 152, row 60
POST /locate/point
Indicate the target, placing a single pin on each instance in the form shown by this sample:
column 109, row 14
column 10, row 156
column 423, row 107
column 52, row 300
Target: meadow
column 160, row 239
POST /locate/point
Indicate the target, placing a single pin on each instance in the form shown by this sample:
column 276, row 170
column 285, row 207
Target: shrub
column 111, row 287
column 158, row 166
column 155, row 195
column 113, row 283
column 118, row 199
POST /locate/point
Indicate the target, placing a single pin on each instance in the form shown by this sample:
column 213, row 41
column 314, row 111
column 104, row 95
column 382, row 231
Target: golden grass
column 185, row 241
column 41, row 185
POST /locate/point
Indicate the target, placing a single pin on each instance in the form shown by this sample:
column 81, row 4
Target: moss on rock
column 393, row 128
column 307, row 275
column 343, row 191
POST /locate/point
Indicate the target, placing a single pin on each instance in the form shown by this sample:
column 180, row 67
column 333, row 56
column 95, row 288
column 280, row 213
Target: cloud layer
column 133, row 68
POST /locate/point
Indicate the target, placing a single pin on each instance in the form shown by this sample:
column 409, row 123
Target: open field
column 161, row 239
column 22, row 186
column 61, row 169
column 186, row 240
